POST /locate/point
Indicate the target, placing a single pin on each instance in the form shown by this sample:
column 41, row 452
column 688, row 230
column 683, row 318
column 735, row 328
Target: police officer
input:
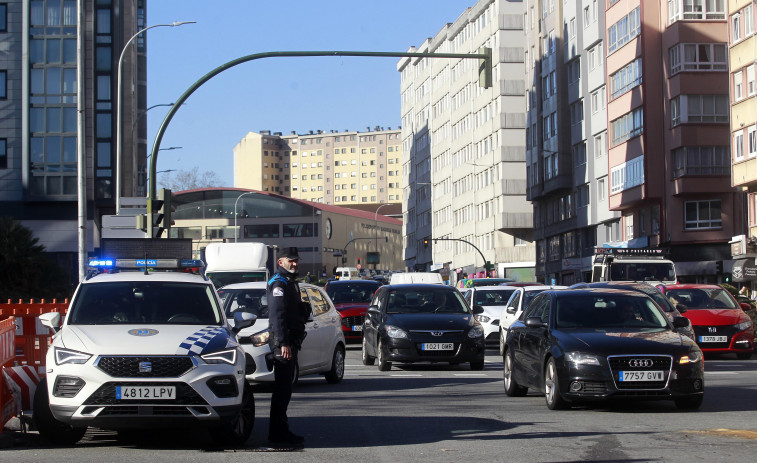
column 287, row 315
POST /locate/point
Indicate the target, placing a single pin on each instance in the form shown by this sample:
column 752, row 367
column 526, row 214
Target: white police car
column 145, row 349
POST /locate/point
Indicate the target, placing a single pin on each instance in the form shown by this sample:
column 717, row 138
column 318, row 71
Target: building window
column 698, row 57
column 579, row 154
column 625, row 79
column 261, row 231
column 751, row 136
column 3, row 85
column 703, row 214
column 738, row 86
column 602, row 188
column 627, row 126
column 736, row 27
column 738, row 145
column 696, row 9
column 3, row 153
column 699, row 109
column 598, row 100
column 701, row 160
column 750, row 80
column 627, row 175
column 3, row 17
column 599, row 145
column 577, row 112
column 624, row 30
column 748, row 20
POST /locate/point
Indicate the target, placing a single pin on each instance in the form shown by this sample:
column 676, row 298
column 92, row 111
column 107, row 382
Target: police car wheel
column 238, row 430
column 49, row 428
column 336, row 374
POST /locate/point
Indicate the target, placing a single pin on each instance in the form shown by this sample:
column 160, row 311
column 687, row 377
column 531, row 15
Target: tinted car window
column 608, row 312
column 246, row 300
column 536, row 308
column 491, row 297
column 145, row 302
column 431, row 300
column 358, row 291
column 701, row 298
column 317, row 301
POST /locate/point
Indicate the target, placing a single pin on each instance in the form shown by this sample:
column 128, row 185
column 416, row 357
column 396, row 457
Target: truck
column 647, row 265
column 228, row 263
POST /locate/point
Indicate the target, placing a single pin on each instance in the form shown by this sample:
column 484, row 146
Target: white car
column 144, row 349
column 323, row 350
column 514, row 308
column 493, row 300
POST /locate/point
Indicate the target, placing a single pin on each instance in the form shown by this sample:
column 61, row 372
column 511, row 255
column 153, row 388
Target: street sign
column 358, row 266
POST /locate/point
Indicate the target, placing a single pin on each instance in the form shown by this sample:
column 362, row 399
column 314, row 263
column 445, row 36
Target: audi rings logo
column 640, row 363
column 437, row 333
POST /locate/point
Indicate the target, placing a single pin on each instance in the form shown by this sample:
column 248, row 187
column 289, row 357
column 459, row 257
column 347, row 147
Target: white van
column 416, row 277
column 347, row 273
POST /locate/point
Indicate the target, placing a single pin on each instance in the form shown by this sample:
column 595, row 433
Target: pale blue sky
column 277, row 94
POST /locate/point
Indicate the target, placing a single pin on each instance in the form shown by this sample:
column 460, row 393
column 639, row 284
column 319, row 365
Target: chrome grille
column 134, row 367
column 354, row 320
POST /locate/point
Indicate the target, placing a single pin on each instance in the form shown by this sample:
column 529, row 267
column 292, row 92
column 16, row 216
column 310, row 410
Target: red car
column 352, row 298
column 719, row 321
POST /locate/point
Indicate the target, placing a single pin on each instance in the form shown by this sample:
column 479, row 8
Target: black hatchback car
column 421, row 323
column 595, row 344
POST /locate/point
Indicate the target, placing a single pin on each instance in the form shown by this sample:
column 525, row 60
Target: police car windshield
column 145, row 302
column 253, row 301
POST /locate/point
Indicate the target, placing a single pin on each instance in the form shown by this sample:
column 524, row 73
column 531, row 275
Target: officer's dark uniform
column 287, row 315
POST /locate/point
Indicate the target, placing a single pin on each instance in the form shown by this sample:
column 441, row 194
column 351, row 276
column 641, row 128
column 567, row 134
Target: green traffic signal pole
column 485, row 72
column 486, row 262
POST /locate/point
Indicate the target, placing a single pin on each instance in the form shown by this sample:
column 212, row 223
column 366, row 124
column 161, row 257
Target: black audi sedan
column 590, row 345
column 409, row 323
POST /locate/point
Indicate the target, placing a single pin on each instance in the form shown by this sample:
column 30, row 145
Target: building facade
column 566, row 138
column 668, row 131
column 39, row 139
column 463, row 164
column 326, row 236
column 339, row 168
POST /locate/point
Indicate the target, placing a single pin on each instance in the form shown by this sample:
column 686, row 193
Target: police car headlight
column 67, row 356
column 222, row 356
column 260, row 338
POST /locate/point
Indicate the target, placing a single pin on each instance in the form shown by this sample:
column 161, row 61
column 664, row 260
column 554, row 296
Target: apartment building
column 463, row 146
column 341, row 168
column 668, row 126
column 742, row 57
column 566, row 138
column 39, row 140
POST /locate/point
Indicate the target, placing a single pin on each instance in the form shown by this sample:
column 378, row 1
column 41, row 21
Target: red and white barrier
column 22, row 381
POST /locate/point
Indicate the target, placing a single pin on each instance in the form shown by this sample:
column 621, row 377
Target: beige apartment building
column 668, row 130
column 340, row 168
column 742, row 56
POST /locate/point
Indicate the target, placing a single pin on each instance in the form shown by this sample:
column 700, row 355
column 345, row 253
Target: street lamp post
column 315, row 241
column 120, row 103
column 236, row 230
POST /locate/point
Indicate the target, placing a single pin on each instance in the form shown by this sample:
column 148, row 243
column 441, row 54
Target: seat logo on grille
column 640, row 363
column 437, row 333
column 143, row 332
column 145, row 367
column 713, row 329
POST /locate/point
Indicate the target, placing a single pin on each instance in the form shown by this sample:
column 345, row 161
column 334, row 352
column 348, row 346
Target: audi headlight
column 744, row 325
column 396, row 333
column 579, row 358
column 476, row 332
column 482, row 318
column 67, row 356
column 222, row 356
column 260, row 338
column 693, row 357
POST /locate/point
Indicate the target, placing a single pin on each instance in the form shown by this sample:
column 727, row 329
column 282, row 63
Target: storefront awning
column 744, row 270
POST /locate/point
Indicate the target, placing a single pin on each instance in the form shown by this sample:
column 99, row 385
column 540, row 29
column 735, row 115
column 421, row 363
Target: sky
column 277, row 94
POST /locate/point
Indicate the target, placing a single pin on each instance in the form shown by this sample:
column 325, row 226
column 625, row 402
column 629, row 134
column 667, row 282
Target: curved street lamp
column 236, row 230
column 375, row 219
column 120, row 103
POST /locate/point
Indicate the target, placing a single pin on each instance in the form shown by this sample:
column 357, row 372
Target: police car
column 149, row 347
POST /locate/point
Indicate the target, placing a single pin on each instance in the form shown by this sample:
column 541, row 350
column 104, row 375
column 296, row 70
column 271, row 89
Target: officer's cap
column 289, row 253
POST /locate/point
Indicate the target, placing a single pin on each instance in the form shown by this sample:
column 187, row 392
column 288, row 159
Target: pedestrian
column 287, row 315
column 308, row 278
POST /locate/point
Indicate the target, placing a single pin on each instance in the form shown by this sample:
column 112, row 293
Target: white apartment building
column 463, row 148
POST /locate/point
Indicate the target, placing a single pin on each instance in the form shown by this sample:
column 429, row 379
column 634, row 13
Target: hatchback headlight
column 692, row 357
column 67, row 356
column 260, row 338
column 476, row 332
column 396, row 333
column 579, row 358
column 482, row 318
column 743, row 325
column 222, row 356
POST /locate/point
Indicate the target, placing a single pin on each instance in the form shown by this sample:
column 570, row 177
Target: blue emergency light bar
column 146, row 263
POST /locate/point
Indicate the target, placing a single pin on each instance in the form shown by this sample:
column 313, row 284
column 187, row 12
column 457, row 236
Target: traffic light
column 485, row 68
column 425, row 242
column 719, row 267
column 141, row 222
column 161, row 209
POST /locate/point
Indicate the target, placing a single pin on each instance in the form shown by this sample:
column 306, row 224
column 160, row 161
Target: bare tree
column 181, row 180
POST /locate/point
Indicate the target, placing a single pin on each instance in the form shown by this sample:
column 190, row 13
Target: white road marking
column 471, row 374
column 722, row 372
column 406, row 376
